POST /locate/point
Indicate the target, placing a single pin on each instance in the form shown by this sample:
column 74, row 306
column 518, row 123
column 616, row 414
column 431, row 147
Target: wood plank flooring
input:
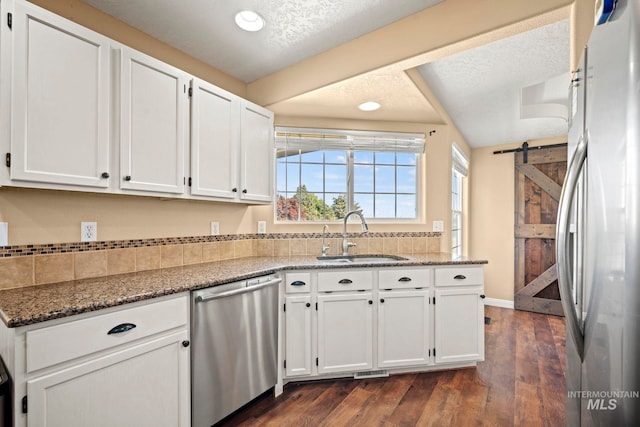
column 520, row 383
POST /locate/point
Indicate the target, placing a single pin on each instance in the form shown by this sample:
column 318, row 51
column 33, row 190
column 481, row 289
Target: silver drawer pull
column 123, row 327
column 460, row 277
column 298, row 283
column 345, row 281
column 404, row 279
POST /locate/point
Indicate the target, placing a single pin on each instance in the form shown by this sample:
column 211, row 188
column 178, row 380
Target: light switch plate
column 4, row 234
column 262, row 227
column 438, row 226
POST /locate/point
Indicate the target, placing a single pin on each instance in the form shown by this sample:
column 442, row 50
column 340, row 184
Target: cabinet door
column 298, row 336
column 60, row 101
column 143, row 385
column 215, row 139
column 153, row 112
column 459, row 325
column 345, row 332
column 257, row 156
column 404, row 325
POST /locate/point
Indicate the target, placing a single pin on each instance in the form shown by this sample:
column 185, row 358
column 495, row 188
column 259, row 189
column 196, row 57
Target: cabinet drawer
column 56, row 344
column 296, row 283
column 459, row 276
column 345, row 280
column 405, row 278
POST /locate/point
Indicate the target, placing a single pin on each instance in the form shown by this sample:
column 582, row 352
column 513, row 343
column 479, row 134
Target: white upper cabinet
column 79, row 111
column 257, row 155
column 60, row 100
column 153, row 124
column 215, row 141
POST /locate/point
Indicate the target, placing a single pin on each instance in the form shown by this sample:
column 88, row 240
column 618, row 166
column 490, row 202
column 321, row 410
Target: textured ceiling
column 397, row 94
column 294, row 30
column 480, row 88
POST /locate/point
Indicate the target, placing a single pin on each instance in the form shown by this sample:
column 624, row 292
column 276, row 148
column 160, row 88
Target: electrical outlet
column 438, row 226
column 215, row 228
column 4, row 234
column 262, row 227
column 88, row 231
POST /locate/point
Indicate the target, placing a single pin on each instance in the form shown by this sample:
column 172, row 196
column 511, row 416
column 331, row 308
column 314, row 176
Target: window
column 322, row 174
column 458, row 173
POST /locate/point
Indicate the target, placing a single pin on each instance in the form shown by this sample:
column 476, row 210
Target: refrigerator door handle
column 563, row 242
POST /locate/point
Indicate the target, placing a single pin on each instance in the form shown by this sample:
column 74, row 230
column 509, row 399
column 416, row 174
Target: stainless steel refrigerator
column 598, row 230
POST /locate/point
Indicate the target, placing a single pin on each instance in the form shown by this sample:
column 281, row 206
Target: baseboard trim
column 499, row 302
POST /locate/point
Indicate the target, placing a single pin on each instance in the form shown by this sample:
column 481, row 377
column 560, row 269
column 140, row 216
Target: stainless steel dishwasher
column 234, row 339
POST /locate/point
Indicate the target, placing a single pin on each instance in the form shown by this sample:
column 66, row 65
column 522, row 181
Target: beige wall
column 492, row 221
column 48, row 216
column 582, row 16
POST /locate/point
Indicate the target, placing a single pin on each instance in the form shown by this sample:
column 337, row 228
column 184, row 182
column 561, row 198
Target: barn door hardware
column 525, row 149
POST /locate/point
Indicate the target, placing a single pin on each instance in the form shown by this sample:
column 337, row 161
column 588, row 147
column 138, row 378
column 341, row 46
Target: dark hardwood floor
column 520, row 383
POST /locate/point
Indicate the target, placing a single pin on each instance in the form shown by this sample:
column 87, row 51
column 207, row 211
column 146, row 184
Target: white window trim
column 350, row 141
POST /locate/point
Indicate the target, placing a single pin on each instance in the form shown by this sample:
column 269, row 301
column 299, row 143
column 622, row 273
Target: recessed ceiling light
column 249, row 20
column 369, row 106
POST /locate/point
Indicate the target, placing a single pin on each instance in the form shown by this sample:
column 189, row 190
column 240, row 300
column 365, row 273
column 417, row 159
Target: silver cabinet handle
column 562, row 242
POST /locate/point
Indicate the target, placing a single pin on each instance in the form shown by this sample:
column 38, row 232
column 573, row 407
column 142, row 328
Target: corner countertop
column 34, row 304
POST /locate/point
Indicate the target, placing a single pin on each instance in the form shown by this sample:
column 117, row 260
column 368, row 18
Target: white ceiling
column 294, row 30
column 478, row 88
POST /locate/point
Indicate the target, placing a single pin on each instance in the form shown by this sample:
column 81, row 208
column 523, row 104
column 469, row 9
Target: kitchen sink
column 360, row 259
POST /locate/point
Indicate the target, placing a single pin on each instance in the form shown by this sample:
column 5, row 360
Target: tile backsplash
column 29, row 265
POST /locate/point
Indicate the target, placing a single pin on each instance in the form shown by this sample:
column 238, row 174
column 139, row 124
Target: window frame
column 456, row 233
column 350, row 193
column 459, row 172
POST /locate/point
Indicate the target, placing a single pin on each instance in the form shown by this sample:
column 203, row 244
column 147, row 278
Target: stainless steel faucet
column 365, row 228
column 325, row 247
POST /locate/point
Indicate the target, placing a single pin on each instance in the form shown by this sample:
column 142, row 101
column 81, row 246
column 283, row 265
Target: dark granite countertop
column 33, row 304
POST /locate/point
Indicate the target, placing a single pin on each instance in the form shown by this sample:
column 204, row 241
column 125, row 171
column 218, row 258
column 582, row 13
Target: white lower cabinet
column 124, row 366
column 298, row 342
column 459, row 325
column 404, row 328
column 345, row 332
column 346, row 321
column 459, row 314
column 145, row 385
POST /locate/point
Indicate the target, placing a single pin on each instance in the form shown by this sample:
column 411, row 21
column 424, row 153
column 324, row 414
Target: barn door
column 539, row 181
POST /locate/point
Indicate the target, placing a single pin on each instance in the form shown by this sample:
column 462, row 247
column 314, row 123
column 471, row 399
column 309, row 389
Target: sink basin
column 360, row 259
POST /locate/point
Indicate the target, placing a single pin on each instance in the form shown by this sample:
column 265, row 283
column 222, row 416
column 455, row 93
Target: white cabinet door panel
column 153, row 124
column 144, row 385
column 215, row 140
column 345, row 332
column 459, row 321
column 257, row 156
column 404, row 326
column 298, row 335
column 60, row 102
